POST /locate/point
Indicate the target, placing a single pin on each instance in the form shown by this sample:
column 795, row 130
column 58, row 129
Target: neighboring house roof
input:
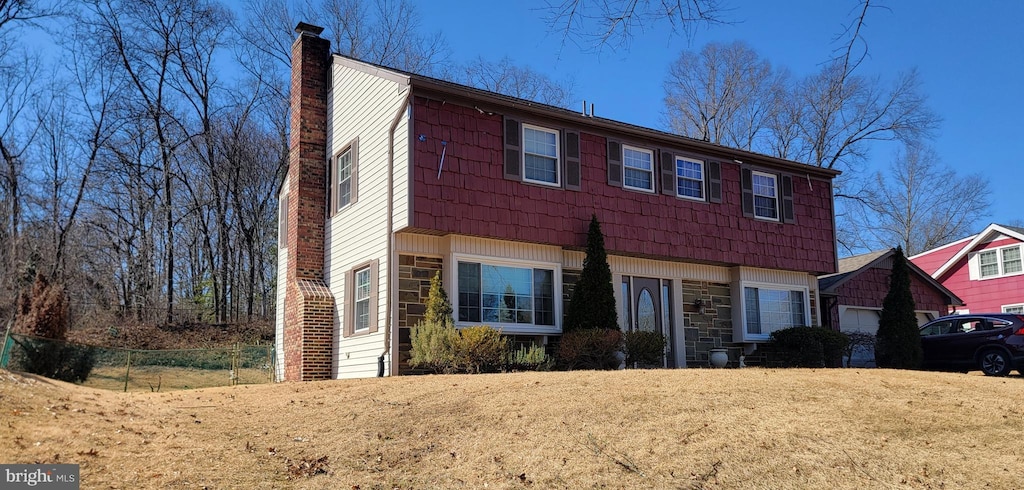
column 985, row 235
column 850, row 267
column 472, row 94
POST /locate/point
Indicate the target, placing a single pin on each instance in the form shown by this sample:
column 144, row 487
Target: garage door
column 859, row 320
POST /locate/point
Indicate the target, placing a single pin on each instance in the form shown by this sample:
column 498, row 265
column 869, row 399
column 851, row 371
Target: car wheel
column 994, row 363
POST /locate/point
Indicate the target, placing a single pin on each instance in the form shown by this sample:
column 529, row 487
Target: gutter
column 390, row 227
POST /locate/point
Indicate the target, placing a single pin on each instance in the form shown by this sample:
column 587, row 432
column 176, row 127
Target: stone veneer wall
column 710, row 329
column 414, row 274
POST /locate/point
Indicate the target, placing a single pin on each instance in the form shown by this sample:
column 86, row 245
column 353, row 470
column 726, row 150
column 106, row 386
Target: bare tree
column 505, row 77
column 613, row 22
column 921, row 204
column 724, row 94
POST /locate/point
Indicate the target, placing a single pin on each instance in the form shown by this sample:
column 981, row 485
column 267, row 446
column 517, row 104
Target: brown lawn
column 748, row 428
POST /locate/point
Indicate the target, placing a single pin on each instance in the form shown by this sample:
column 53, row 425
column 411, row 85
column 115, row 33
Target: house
column 851, row 299
column 984, row 270
column 394, row 177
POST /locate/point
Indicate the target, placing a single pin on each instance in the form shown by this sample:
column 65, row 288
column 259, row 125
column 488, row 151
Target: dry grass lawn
column 749, row 428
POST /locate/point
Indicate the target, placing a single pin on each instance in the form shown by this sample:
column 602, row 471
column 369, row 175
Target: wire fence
column 138, row 370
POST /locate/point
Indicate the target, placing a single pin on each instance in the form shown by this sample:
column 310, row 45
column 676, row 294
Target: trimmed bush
column 480, row 349
column 812, row 347
column 530, row 358
column 434, row 346
column 644, row 348
column 590, row 349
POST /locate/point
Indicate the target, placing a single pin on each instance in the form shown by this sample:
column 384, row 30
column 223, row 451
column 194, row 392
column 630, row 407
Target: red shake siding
column 984, row 296
column 473, row 198
column 870, row 287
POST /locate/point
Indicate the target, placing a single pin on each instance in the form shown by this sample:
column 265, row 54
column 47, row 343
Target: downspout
column 390, row 225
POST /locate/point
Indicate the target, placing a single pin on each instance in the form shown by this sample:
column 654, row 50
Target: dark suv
column 991, row 342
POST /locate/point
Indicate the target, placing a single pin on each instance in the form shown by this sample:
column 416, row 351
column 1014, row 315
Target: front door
column 648, row 298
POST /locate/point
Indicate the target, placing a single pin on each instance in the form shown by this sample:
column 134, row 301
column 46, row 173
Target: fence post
column 5, row 350
column 234, row 364
column 127, row 370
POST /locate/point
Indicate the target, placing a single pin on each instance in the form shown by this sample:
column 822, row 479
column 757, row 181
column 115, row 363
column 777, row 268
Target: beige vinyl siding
column 358, row 233
column 401, row 212
column 282, row 278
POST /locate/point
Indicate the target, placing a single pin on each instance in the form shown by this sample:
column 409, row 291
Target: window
column 503, row 294
column 1000, row 262
column 540, row 155
column 344, row 177
column 360, row 305
column 637, row 168
column 989, row 263
column 362, row 300
column 768, row 309
column 766, row 201
column 690, row 178
column 1011, row 260
column 1013, row 308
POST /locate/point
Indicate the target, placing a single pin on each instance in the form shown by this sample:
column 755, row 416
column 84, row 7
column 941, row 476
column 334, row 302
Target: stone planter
column 719, row 357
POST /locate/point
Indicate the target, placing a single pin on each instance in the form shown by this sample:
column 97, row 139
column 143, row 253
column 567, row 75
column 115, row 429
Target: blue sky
column 970, row 60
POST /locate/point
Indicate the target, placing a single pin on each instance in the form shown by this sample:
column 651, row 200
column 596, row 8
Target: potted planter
column 719, row 357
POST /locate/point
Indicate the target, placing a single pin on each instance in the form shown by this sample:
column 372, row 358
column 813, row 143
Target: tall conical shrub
column 899, row 343
column 439, row 308
column 592, row 303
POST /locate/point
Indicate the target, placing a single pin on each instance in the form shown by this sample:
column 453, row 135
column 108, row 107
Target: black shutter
column 668, row 173
column 787, row 200
column 513, row 150
column 572, row 160
column 747, row 184
column 614, row 163
column 714, row 182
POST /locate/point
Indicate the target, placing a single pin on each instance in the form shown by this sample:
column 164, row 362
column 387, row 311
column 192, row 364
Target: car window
column 968, row 325
column 937, row 328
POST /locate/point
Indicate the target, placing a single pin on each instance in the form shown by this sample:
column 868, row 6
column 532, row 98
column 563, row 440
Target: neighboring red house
column 394, row 177
column 985, row 270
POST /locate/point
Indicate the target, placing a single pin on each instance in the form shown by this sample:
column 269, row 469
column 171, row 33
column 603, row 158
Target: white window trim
column 703, row 179
column 508, row 328
column 624, row 167
column 754, row 337
column 1005, row 307
column 976, row 259
column 778, row 197
column 558, row 155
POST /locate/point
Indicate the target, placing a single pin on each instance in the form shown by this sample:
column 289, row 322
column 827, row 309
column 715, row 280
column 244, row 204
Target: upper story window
column 1013, row 308
column 637, row 168
column 344, row 177
column 999, row 262
column 689, row 178
column 766, row 200
column 540, row 155
column 512, row 297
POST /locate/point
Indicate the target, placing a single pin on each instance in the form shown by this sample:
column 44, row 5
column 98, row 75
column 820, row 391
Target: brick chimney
column 308, row 303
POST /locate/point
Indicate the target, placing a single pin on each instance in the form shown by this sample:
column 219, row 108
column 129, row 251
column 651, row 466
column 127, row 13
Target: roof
column 482, row 97
column 851, row 267
column 989, row 231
